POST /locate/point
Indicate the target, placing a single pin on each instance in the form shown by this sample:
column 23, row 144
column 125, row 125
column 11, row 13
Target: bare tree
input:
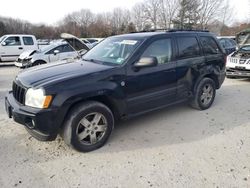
column 120, row 19
column 208, row 11
column 168, row 12
column 139, row 16
column 151, row 8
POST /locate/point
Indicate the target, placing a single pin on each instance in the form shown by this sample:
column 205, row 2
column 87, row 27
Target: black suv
column 122, row 77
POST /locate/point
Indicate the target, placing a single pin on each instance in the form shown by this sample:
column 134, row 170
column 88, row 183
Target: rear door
column 190, row 61
column 152, row 87
column 12, row 48
column 214, row 55
column 29, row 43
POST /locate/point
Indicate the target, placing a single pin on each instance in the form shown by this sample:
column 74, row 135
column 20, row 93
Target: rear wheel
column 88, row 126
column 204, row 95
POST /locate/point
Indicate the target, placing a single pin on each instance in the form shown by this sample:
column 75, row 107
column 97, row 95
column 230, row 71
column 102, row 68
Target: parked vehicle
column 238, row 63
column 122, row 77
column 228, row 44
column 11, row 46
column 55, row 52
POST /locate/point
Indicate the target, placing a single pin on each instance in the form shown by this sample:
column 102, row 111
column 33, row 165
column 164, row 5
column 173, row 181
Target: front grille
column 18, row 93
column 233, row 60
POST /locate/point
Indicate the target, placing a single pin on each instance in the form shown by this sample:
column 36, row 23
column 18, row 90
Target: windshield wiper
column 91, row 60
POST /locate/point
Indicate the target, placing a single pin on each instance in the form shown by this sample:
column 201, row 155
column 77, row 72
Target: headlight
column 36, row 98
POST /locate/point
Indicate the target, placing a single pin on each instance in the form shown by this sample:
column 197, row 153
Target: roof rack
column 171, row 30
column 194, row 30
column 149, row 30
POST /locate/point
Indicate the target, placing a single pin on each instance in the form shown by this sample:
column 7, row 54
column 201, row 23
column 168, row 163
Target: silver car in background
column 71, row 48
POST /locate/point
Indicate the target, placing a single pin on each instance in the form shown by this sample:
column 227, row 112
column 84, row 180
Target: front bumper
column 40, row 123
column 20, row 64
column 240, row 73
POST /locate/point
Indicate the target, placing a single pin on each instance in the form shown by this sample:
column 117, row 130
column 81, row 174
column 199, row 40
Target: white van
column 11, row 46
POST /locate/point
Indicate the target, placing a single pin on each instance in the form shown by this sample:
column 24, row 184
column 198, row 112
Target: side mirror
column 56, row 52
column 3, row 44
column 146, row 62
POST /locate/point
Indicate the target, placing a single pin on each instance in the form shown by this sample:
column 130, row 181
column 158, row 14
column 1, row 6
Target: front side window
column 59, row 48
column 112, row 51
column 28, row 41
column 209, row 46
column 13, row 41
column 161, row 49
column 188, row 47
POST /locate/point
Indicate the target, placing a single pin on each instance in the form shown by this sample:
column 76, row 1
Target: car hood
column 55, row 72
column 27, row 54
column 74, row 42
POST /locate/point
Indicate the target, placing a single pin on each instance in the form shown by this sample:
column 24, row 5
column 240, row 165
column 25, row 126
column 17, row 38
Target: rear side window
column 209, row 46
column 188, row 47
column 161, row 49
column 59, row 48
column 28, row 41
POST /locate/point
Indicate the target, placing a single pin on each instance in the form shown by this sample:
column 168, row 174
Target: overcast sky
column 51, row 11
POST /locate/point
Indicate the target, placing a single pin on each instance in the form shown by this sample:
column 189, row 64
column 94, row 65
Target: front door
column 54, row 54
column 152, row 87
column 11, row 48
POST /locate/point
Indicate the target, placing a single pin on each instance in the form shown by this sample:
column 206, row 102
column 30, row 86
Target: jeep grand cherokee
column 121, row 77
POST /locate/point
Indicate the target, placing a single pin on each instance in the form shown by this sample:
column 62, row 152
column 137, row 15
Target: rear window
column 28, row 41
column 188, row 47
column 209, row 46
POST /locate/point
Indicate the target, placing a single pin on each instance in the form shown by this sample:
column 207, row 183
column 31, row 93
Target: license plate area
column 240, row 67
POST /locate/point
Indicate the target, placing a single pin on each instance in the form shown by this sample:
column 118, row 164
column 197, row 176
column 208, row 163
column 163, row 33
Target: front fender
column 109, row 91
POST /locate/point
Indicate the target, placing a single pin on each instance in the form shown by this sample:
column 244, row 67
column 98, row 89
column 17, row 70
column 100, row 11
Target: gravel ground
column 175, row 147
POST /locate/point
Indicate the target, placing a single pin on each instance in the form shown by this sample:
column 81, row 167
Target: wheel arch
column 40, row 60
column 104, row 99
column 212, row 76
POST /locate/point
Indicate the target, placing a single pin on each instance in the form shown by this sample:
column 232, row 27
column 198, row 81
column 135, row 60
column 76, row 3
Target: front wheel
column 36, row 63
column 88, row 126
column 204, row 95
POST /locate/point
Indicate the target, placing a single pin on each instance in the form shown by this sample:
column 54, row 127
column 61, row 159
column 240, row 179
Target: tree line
column 143, row 16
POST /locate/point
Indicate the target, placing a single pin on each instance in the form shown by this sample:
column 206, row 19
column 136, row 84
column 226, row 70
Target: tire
column 83, row 131
column 204, row 94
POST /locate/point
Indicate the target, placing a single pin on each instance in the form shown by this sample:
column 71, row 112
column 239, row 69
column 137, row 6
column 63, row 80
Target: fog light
column 30, row 123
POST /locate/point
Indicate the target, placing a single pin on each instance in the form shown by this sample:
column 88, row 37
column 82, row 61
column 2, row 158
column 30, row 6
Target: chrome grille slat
column 18, row 93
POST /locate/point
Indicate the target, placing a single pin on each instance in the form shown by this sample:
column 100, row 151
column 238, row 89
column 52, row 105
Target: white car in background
column 11, row 46
column 70, row 49
column 238, row 63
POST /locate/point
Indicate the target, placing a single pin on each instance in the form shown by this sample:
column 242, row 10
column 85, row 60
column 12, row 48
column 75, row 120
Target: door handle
column 169, row 71
column 20, row 48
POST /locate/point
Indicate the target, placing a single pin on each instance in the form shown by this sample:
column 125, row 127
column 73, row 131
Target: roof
column 17, row 35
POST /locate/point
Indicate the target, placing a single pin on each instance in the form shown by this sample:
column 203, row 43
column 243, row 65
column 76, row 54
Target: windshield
column 114, row 51
column 245, row 48
column 2, row 38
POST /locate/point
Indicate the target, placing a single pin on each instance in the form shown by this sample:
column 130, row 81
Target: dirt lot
column 175, row 147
